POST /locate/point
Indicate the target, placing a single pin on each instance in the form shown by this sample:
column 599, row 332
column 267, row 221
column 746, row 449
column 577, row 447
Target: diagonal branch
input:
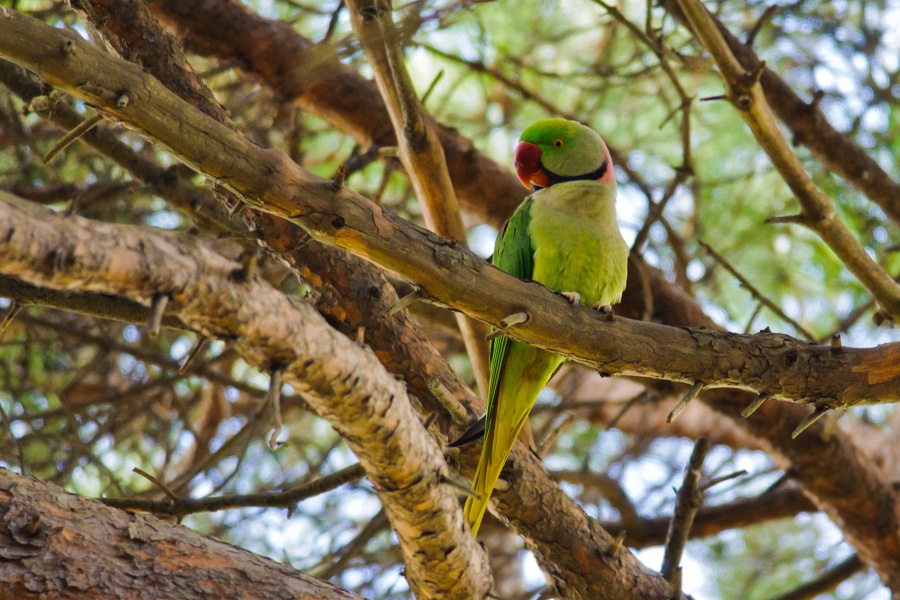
column 420, row 148
column 810, row 127
column 817, row 211
column 342, row 382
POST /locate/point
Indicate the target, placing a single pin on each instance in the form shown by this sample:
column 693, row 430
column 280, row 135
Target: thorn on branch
column 195, row 352
column 405, row 301
column 249, row 260
column 238, row 206
column 166, row 490
column 273, row 406
column 73, row 135
column 712, row 98
column 808, row 421
column 157, row 308
column 679, row 408
column 337, row 182
column 818, row 95
column 617, row 544
column 754, row 75
column 509, row 321
column 754, row 406
column 462, row 486
column 431, row 86
column 9, row 317
column 836, row 345
column 71, row 205
column 722, row 479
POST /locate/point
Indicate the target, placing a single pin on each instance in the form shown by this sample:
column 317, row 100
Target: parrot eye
column 558, row 143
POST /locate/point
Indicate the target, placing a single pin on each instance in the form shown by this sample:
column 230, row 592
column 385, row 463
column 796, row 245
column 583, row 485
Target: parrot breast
column 577, row 243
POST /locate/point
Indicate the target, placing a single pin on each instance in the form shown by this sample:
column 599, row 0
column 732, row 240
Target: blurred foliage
column 87, row 401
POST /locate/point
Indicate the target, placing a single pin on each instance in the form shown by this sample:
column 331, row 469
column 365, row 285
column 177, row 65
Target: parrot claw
column 607, row 310
column 573, row 297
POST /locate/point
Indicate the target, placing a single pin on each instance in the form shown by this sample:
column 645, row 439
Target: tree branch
column 343, row 383
column 818, row 213
column 103, row 553
column 810, row 127
column 420, row 148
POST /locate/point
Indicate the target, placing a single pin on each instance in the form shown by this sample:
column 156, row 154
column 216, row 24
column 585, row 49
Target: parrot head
column 557, row 150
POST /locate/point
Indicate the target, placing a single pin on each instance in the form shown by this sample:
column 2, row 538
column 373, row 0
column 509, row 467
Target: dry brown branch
column 101, row 553
column 687, row 503
column 817, row 211
column 342, row 382
column 809, row 127
column 781, row 503
column 827, row 581
column 420, row 148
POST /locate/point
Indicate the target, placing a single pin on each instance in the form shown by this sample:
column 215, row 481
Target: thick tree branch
column 770, row 363
column 818, row 213
column 343, row 383
column 59, row 545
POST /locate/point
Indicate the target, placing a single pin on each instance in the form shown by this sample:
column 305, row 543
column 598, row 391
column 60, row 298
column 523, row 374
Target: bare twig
column 181, row 507
column 687, row 503
column 744, row 91
column 759, row 296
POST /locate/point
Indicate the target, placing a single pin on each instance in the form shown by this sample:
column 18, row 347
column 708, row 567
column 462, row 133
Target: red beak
column 528, row 162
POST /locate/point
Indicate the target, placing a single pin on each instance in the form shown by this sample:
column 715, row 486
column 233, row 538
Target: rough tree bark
column 55, row 544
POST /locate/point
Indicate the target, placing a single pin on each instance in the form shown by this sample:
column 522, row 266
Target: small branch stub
column 460, row 485
column 337, row 182
column 273, row 406
column 157, row 309
column 808, row 421
column 410, row 298
column 10, row 316
column 754, row 406
column 195, row 352
column 73, row 135
column 679, row 408
column 509, row 321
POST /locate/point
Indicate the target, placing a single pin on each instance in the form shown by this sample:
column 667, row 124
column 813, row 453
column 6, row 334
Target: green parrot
column 564, row 236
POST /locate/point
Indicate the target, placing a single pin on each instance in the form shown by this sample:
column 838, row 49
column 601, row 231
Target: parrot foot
column 573, row 297
column 607, row 310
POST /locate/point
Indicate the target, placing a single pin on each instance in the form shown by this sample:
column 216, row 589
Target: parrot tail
column 499, row 438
